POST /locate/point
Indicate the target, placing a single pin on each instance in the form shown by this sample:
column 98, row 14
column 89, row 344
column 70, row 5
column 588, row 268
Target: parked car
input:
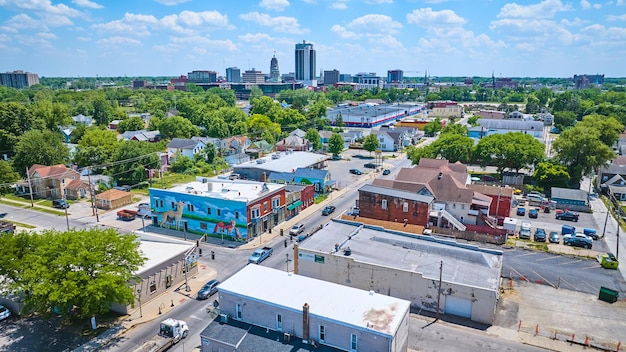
column 488, row 178
column 60, row 204
column 296, row 229
column 540, row 235
column 533, row 213
column 370, row 165
column 386, row 172
column 554, row 237
column 356, row 172
column 336, row 157
column 578, row 240
column 567, row 215
column 5, row 313
column 328, row 210
column 208, row 290
column 521, row 211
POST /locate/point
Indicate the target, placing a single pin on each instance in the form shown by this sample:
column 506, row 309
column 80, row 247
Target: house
column 293, row 143
column 141, row 135
column 81, row 119
column 501, row 198
column 432, row 273
column 259, row 149
column 185, row 147
column 409, row 135
column 66, row 131
column 57, row 181
column 388, row 204
column 237, row 209
column 113, row 125
column 113, row 199
column 571, row 199
column 325, row 136
column 320, row 179
column 298, row 132
column 237, row 159
column 613, row 174
column 235, row 145
column 317, row 312
column 388, row 141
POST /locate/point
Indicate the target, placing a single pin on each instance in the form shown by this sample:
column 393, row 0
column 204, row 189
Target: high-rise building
column 395, row 76
column 18, row 79
column 274, row 72
column 305, row 62
column 331, row 77
column 253, row 76
column 233, row 75
column 202, row 76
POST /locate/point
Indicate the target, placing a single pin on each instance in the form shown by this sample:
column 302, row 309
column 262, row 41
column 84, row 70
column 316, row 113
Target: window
column 322, row 335
column 264, row 207
column 236, row 215
column 208, row 211
column 383, row 204
column 279, row 322
column 190, row 207
column 275, row 203
column 405, row 207
column 255, row 213
column 238, row 310
column 383, row 146
column 152, row 287
column 203, row 226
column 463, row 206
column 219, row 212
column 353, row 342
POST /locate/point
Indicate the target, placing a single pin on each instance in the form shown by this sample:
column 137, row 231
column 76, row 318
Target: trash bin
column 608, row 295
column 213, row 255
column 200, row 251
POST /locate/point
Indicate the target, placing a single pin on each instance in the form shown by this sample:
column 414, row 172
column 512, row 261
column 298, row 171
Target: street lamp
column 139, row 296
column 65, row 206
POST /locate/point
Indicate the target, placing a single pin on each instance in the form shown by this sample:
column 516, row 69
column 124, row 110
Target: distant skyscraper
column 305, row 62
column 331, row 77
column 199, row 76
column 274, row 72
column 233, row 75
column 395, row 76
column 18, row 79
column 253, row 76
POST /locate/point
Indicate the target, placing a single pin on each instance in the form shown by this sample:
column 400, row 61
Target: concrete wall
column 337, row 334
column 420, row 291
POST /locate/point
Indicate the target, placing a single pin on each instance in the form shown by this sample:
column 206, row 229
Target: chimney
column 305, row 323
column 439, row 177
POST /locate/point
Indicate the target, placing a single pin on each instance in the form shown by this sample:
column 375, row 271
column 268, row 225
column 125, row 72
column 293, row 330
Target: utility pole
column 439, row 289
column 30, row 189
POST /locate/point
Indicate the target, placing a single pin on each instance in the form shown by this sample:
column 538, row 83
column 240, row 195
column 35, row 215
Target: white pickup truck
column 170, row 332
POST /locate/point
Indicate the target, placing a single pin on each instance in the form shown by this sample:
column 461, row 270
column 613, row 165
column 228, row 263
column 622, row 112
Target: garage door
column 458, row 306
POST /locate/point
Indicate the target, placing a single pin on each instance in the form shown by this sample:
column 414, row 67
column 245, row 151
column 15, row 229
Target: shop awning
column 294, row 205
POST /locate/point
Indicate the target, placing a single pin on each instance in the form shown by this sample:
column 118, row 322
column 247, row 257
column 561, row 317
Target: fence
column 476, row 233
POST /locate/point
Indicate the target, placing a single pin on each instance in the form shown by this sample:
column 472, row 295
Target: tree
column 609, row 128
column 313, row 136
column 371, row 143
column 512, row 150
column 564, row 120
column 177, row 127
column 455, row 128
column 39, row 147
column 416, row 153
column 581, row 151
column 133, row 123
column 549, row 174
column 335, row 144
column 431, row 128
column 134, row 158
column 182, row 164
column 89, row 269
column 7, row 177
column 102, row 111
column 453, row 147
column 255, row 92
column 261, row 126
column 96, row 147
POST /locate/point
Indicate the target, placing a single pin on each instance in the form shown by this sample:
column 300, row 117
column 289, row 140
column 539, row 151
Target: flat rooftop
column 159, row 249
column 286, row 161
column 240, row 190
column 351, row 306
column 463, row 264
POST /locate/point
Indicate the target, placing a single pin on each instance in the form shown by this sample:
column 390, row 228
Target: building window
column 383, row 204
column 152, row 287
column 322, row 335
column 275, row 203
column 264, row 207
column 279, row 322
column 190, row 207
column 405, row 207
column 353, row 342
column 453, row 205
column 236, row 215
column 255, row 213
column 463, row 206
column 208, row 211
column 203, row 226
column 219, row 212
column 238, row 310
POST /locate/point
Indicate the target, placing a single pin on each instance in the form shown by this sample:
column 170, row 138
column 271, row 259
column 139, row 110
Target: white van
column 524, row 233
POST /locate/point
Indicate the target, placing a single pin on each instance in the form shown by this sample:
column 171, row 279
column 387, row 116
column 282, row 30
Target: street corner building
column 432, row 273
column 264, row 309
column 235, row 209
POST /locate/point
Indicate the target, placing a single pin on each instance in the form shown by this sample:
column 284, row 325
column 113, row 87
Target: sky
column 85, row 38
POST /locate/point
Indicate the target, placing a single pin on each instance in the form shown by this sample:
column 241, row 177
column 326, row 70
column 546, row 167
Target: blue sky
column 550, row 38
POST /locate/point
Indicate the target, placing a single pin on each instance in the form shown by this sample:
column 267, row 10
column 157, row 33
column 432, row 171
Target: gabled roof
column 287, row 177
column 293, row 141
column 58, row 171
column 325, row 134
column 298, row 132
column 311, row 173
column 181, row 143
column 263, row 145
column 568, row 193
column 492, row 190
column 77, row 184
column 80, row 118
column 113, row 194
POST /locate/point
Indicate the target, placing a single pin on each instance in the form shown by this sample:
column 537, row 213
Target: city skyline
column 549, row 38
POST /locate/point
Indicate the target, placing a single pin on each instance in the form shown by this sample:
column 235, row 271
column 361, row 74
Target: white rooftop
column 286, row 162
column 464, row 264
column 354, row 307
column 159, row 249
column 227, row 189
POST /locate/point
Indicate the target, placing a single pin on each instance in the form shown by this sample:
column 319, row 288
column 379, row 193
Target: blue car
column 521, row 211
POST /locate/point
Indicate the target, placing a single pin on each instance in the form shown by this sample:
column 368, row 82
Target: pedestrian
column 285, row 243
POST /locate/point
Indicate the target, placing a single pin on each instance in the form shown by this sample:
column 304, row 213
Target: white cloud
column 255, row 38
column 540, row 32
column 117, row 40
column 376, row 2
column 426, row 17
column 575, row 22
column 46, row 35
column 279, row 23
column 22, row 21
column 614, row 35
column 544, row 9
column 375, row 23
column 170, row 2
column 87, row 3
column 343, row 33
column 277, row 5
column 204, row 42
column 205, row 18
column 339, row 5
column 387, row 41
column 584, row 4
column 616, row 18
column 42, row 6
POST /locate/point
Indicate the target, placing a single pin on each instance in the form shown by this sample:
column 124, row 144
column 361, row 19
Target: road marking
column 572, row 262
column 548, row 258
column 544, row 279
column 197, row 318
column 591, row 267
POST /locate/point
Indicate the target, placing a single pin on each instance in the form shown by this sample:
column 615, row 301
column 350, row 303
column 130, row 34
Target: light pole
column 65, row 206
column 139, row 296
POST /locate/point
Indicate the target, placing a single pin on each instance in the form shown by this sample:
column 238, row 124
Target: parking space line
column 572, row 262
column 591, row 267
column 544, row 279
column 548, row 258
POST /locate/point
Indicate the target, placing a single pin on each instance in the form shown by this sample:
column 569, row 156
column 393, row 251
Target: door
column 279, row 322
column 458, row 306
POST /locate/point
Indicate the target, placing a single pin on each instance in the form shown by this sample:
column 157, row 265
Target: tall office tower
column 395, row 76
column 305, row 62
column 18, row 79
column 331, row 77
column 199, row 76
column 274, row 72
column 253, row 76
column 233, row 75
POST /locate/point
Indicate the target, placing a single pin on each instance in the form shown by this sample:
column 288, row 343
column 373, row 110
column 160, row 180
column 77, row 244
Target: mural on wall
column 203, row 215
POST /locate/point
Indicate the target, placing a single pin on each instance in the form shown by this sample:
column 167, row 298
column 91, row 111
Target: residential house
column 81, row 119
column 389, row 204
column 293, row 143
column 388, row 140
column 237, row 159
column 141, row 135
column 54, row 182
column 237, row 209
column 409, row 135
column 259, row 149
column 185, row 147
column 325, row 137
column 235, row 145
column 113, row 125
column 318, row 312
column 298, row 132
column 612, row 178
column 113, row 199
column 66, row 131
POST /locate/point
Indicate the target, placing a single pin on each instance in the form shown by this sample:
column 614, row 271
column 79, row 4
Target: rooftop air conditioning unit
column 287, row 337
column 224, row 318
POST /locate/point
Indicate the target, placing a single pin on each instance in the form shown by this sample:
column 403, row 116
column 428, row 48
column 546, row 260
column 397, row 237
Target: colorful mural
column 203, row 215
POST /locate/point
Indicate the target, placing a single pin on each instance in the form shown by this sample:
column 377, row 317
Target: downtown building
column 305, row 63
column 18, row 79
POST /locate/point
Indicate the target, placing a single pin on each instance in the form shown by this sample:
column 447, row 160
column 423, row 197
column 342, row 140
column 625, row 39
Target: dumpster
column 608, row 295
column 591, row 233
column 608, row 261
